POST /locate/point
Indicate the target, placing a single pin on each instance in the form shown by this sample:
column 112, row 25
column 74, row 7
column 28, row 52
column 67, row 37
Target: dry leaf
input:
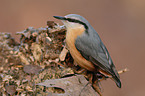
column 51, row 24
column 10, row 89
column 63, row 54
column 32, row 69
column 73, row 86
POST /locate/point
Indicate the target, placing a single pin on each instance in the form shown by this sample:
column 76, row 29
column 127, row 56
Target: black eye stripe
column 72, row 20
column 77, row 21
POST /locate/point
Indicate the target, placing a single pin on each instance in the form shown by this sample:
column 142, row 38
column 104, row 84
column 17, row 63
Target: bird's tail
column 116, row 78
column 117, row 81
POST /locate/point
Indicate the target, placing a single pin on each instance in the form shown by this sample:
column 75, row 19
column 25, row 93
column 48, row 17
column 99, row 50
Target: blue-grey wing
column 92, row 48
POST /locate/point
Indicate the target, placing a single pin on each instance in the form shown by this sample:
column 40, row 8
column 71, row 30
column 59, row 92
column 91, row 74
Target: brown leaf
column 73, row 86
column 51, row 24
column 63, row 54
column 11, row 89
column 32, row 69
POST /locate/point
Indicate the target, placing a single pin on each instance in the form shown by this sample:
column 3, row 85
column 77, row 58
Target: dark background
column 120, row 24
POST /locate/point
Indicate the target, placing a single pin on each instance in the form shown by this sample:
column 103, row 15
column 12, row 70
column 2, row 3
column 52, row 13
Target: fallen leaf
column 11, row 89
column 73, row 86
column 32, row 69
column 51, row 24
column 63, row 54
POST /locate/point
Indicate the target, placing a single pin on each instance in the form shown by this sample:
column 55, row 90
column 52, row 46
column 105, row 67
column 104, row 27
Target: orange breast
column 71, row 36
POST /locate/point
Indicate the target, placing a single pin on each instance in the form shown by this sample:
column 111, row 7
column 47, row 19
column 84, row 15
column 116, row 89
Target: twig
column 123, row 71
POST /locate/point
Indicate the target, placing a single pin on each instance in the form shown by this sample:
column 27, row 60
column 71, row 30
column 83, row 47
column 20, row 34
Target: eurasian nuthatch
column 86, row 47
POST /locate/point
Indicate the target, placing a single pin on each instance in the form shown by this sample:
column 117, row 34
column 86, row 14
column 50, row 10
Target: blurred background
column 120, row 24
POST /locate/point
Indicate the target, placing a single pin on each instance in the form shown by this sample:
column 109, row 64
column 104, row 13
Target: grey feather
column 92, row 48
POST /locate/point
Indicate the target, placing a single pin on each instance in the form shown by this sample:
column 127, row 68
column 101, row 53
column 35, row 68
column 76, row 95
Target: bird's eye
column 70, row 20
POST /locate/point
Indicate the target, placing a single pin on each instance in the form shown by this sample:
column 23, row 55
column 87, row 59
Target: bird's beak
column 59, row 17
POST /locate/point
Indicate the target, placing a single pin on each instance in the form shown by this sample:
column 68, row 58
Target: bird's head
column 73, row 20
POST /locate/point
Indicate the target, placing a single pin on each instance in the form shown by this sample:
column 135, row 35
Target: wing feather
column 92, row 48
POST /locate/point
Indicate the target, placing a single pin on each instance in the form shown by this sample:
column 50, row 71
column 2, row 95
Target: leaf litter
column 40, row 65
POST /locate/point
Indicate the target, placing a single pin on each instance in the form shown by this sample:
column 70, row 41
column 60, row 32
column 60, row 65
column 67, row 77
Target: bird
column 86, row 46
